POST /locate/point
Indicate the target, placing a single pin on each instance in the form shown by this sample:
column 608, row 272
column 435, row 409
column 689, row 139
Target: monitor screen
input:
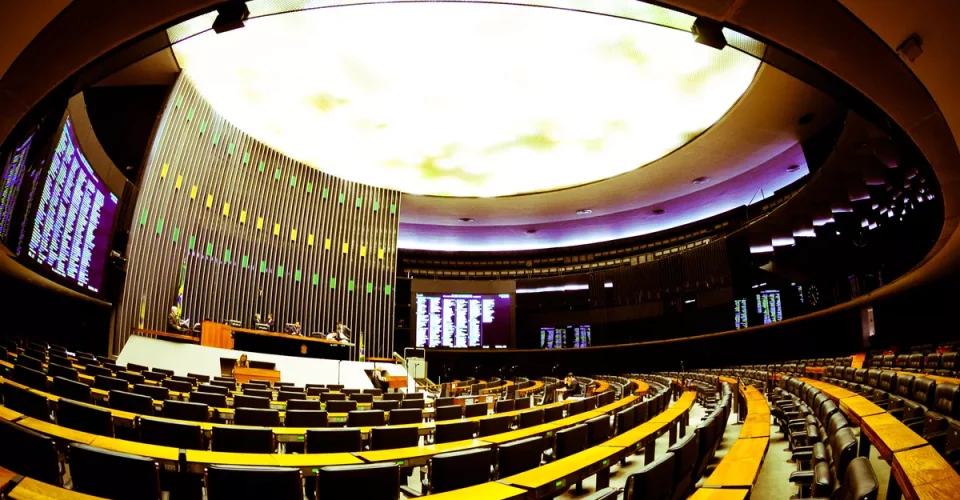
column 562, row 337
column 73, row 218
column 768, row 305
column 463, row 320
column 740, row 314
column 13, row 171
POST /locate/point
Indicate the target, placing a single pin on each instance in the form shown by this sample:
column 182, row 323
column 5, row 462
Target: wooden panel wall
column 257, row 232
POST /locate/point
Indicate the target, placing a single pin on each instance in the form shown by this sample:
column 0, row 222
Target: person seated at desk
column 175, row 323
column 571, row 384
column 341, row 333
column 270, row 321
column 258, row 323
column 294, row 328
column 243, row 362
column 381, row 379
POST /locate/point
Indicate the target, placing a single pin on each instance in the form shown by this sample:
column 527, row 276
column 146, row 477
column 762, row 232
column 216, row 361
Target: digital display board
column 463, row 320
column 740, row 314
column 768, row 305
column 73, row 218
column 557, row 337
column 13, row 172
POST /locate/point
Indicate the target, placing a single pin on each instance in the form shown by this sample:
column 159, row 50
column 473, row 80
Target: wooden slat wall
column 253, row 227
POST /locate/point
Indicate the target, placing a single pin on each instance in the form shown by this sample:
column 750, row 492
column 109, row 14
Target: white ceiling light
column 461, row 99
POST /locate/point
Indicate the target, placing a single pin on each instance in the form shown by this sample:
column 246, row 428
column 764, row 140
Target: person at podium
column 294, row 328
column 270, row 321
column 243, row 362
column 175, row 323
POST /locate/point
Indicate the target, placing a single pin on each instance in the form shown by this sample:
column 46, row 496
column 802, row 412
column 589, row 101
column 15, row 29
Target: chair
column 156, row 369
column 326, row 396
column 504, row 405
column 494, row 425
column 366, row 418
column 59, row 360
column 414, row 395
column 460, row 469
column 26, row 402
column 406, row 416
column 641, row 413
column 69, row 389
column 133, row 367
column 519, row 456
column 111, row 474
column 362, row 398
column 531, row 418
column 231, row 482
column 200, row 378
column 931, row 363
column 945, row 410
column 598, row 430
column 213, row 389
column 210, row 399
column 177, row 385
column 244, row 401
column 653, row 482
column 186, row 410
column 393, row 396
column 30, row 377
column 131, row 377
column 373, row 392
column 41, row 462
column 242, row 440
column 386, row 438
column 63, row 371
column 155, row 393
column 28, row 361
column 260, row 393
column 451, row 412
column 226, row 384
column 94, row 370
column 133, row 403
column 85, row 418
column 380, row 481
column 948, row 364
column 474, row 410
column 257, row 417
column 413, row 403
column 624, row 420
column 569, row 441
column 456, row 431
column 444, row 402
column 707, row 433
column 288, row 395
column 303, row 404
column 590, row 404
column 341, row 406
column 350, row 392
column 552, row 414
column 386, row 405
column 685, row 457
column 316, row 391
column 334, row 440
column 154, row 376
column 305, row 418
column 176, row 434
column 109, row 383
column 521, row 403
column 334, row 387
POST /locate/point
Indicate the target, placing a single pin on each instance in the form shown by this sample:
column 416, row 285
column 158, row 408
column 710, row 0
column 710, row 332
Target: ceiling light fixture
column 465, row 219
column 531, row 231
column 658, row 211
column 793, row 168
column 584, row 211
column 230, row 16
column 701, row 180
column 709, row 32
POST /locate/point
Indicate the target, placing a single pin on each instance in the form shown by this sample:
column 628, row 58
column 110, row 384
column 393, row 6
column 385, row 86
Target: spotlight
column 230, row 16
column 912, row 47
column 709, row 32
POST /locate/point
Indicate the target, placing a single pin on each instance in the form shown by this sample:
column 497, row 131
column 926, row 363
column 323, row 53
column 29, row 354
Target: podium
column 397, row 382
column 247, row 374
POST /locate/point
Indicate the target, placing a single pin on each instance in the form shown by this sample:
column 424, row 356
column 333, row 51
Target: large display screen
column 768, row 305
column 564, row 337
column 463, row 320
column 13, row 172
column 73, row 219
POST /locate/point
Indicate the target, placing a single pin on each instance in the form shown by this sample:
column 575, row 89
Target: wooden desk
column 31, row 489
column 506, row 437
column 8, row 414
column 815, row 369
column 936, row 378
column 215, row 334
column 858, row 407
column 741, row 465
column 57, row 431
column 642, row 387
column 756, row 425
column 537, row 385
column 546, row 480
column 640, row 436
column 179, row 337
column 719, row 494
column 485, row 491
column 5, row 477
column 418, row 455
column 166, row 454
column 617, row 405
column 246, row 374
column 889, row 435
column 922, row 473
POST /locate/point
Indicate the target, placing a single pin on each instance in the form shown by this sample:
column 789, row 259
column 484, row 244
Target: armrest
column 915, row 424
column 938, row 440
column 803, row 477
column 896, row 412
column 803, row 455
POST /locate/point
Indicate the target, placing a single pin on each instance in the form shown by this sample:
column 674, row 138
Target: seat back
column 66, row 372
column 199, row 377
column 455, row 431
column 257, row 417
column 133, row 403
column 385, row 438
column 209, row 398
column 29, row 361
column 362, row 398
column 640, row 413
column 552, row 414
column 948, row 361
column 451, row 412
column 924, row 391
column 334, row 440
column 366, row 418
column 706, row 433
column 685, row 458
column 521, row 403
column 531, row 418
column 157, row 393
column 155, row 376
column 164, row 371
column 111, row 474
column 460, row 469
column 388, row 405
column 305, row 418
column 29, row 377
column 84, row 417
column 873, row 377
column 186, row 410
column 494, row 425
column 288, row 395
column 843, row 447
column 947, row 400
column 473, row 410
column 242, row 440
column 575, row 407
column 654, row 481
column 889, row 360
column 176, row 434
column 29, row 453
column 519, row 456
column 902, row 361
column 904, row 385
column 504, row 405
column 380, row 481
column 393, row 396
column 177, row 385
column 590, row 403
column 94, row 370
column 131, row 377
column 932, row 362
column 406, row 416
column 232, row 482
column 413, row 403
column 860, row 481
column 69, row 389
column 624, row 420
column 327, row 396
column 598, row 430
column 336, row 406
column 303, row 404
column 26, row 402
column 915, row 362
column 571, row 440
column 444, row 401
column 260, row 393
column 888, row 381
column 213, row 389
column 245, row 401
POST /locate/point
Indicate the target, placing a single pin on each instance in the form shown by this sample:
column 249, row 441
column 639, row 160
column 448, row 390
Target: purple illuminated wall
column 462, row 320
column 70, row 234
column 12, row 181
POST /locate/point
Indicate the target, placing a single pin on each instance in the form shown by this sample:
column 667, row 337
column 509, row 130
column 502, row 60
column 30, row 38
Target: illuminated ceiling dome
column 466, row 100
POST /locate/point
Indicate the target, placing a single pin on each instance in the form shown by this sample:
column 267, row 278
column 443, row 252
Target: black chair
column 156, row 393
column 232, row 482
column 598, row 430
column 685, row 457
column 133, row 403
column 94, row 370
column 244, row 401
column 531, row 418
column 177, row 385
column 262, row 393
column 408, row 416
column 386, row 438
column 29, row 453
column 653, row 482
column 494, row 425
column 31, row 362
column 519, row 456
column 63, row 371
column 316, row 391
column 456, row 431
column 288, row 395
column 305, row 418
column 26, row 402
column 575, row 407
column 460, row 469
column 209, row 399
column 474, row 410
column 225, row 379
column 186, row 410
column 412, row 403
column 226, row 384
column 59, row 359
column 641, row 413
column 84, row 417
column 30, row 377
column 200, row 378
column 366, row 418
column 131, row 377
column 164, row 371
column 303, row 404
column 380, row 481
column 257, row 416
column 521, row 403
column 393, row 396
column 154, row 376
column 334, row 440
column 242, row 440
column 386, row 405
column 341, row 406
column 451, row 412
column 69, row 389
column 176, row 434
column 213, row 389
column 624, row 420
column 569, row 441
column 414, row 395
column 552, row 414
column 373, row 392
column 326, row 396
column 110, row 383
column 137, row 368
column 504, row 405
column 110, row 474
column 362, row 398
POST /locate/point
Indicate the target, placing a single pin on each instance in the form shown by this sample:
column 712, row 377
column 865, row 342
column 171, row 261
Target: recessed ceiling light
column 701, row 180
column 465, row 219
column 659, row 211
column 793, row 168
column 807, row 118
column 531, row 231
column 584, row 211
